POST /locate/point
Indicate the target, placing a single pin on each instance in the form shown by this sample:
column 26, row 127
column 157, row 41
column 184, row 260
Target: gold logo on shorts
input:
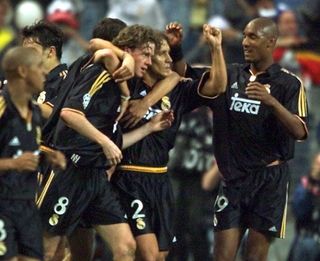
column 165, row 103
column 3, row 248
column 140, row 223
column 42, row 97
column 53, row 220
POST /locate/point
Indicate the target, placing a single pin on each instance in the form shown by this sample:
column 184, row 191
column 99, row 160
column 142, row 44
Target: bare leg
column 81, row 243
column 147, row 247
column 257, row 246
column 50, row 244
column 226, row 244
column 120, row 240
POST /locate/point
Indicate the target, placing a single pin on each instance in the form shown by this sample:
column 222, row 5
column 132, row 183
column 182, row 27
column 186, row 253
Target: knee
column 149, row 255
column 125, row 250
column 162, row 256
column 256, row 255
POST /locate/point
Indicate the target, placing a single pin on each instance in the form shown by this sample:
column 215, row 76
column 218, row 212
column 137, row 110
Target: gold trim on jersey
column 302, row 103
column 2, row 105
column 144, row 169
column 45, row 149
column 102, row 78
column 302, row 100
column 73, row 110
column 49, row 104
column 284, row 217
column 45, row 189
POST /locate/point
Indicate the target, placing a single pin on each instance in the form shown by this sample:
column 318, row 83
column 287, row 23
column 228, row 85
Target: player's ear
column 271, row 42
column 52, row 52
column 22, row 71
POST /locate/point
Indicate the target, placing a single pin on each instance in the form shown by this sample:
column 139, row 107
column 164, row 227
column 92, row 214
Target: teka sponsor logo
column 244, row 105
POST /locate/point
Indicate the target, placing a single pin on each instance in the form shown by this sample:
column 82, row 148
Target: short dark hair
column 47, row 34
column 108, row 28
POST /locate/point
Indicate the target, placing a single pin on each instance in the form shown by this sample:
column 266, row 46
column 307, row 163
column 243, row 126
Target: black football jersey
column 247, row 135
column 17, row 136
column 97, row 97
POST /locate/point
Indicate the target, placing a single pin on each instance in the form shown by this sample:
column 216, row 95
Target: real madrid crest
column 252, row 78
column 85, row 100
column 42, row 97
column 3, row 248
column 140, row 223
column 53, row 220
column 165, row 103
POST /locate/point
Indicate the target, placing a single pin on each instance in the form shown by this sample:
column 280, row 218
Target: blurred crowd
column 298, row 51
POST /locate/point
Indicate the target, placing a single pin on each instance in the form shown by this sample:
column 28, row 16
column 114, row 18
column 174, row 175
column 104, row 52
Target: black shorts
column 257, row 201
column 148, row 202
column 20, row 229
column 80, row 194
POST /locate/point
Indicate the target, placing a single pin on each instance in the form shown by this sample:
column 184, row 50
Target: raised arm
column 174, row 32
column 217, row 81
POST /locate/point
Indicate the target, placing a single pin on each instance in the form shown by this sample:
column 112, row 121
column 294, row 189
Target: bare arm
column 28, row 161
column 111, row 63
column 138, row 108
column 291, row 122
column 174, row 32
column 217, row 81
column 211, row 178
column 80, row 124
column 159, row 122
column 46, row 110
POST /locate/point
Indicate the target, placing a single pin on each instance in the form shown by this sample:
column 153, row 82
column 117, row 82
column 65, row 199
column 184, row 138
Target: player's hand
column 123, row 108
column 26, row 162
column 112, row 152
column 161, row 121
column 126, row 70
column 135, row 112
column 57, row 159
column 174, row 32
column 212, row 35
column 110, row 171
column 260, row 92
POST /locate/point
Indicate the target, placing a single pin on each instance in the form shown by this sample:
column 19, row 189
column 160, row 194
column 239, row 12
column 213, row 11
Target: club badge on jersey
column 86, row 100
column 165, row 103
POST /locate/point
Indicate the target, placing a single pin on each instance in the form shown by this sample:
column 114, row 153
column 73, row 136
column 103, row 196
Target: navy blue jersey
column 154, row 149
column 97, row 97
column 18, row 135
column 247, row 135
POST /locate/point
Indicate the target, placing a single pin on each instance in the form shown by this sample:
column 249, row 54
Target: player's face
column 142, row 58
column 255, row 44
column 161, row 61
column 34, row 43
column 35, row 78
